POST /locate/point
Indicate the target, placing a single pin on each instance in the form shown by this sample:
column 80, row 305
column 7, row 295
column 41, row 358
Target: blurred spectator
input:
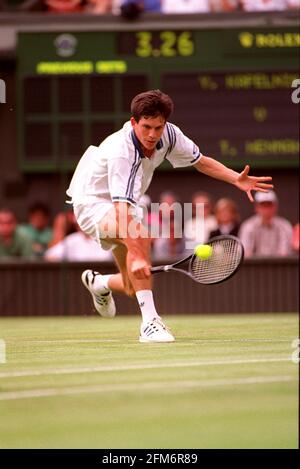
column 224, row 5
column 266, row 234
column 152, row 5
column 64, row 6
column 77, row 247
column 38, row 229
column 131, row 9
column 139, row 5
column 170, row 210
column 170, row 243
column 98, row 7
column 293, row 4
column 171, row 247
column 228, row 218
column 185, row 6
column 63, row 225
column 264, row 5
column 296, row 239
column 210, row 222
column 13, row 243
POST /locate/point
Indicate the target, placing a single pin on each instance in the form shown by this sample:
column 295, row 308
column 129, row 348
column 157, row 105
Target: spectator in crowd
column 169, row 210
column 64, row 6
column 185, row 6
column 152, row 5
column 266, row 234
column 224, row 5
column 296, row 239
column 170, row 247
column 98, row 7
column 293, row 4
column 63, row 225
column 263, row 5
column 13, row 243
column 228, row 218
column 132, row 9
column 170, row 243
column 77, row 247
column 210, row 222
column 38, row 229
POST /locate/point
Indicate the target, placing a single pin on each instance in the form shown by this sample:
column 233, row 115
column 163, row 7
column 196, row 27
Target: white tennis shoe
column 155, row 331
column 102, row 297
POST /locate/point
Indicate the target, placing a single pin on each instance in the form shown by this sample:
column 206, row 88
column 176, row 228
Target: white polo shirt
column 117, row 170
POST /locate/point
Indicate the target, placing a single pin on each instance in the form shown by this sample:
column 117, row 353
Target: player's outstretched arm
column 243, row 181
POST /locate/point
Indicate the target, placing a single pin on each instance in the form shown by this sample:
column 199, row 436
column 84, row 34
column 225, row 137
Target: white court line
column 142, row 366
column 191, row 341
column 169, row 386
column 69, row 341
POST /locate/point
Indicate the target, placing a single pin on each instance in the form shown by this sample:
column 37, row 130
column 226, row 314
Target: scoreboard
column 236, row 91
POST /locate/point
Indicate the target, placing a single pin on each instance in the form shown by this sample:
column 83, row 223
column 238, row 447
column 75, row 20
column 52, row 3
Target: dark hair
column 39, row 207
column 151, row 104
column 131, row 10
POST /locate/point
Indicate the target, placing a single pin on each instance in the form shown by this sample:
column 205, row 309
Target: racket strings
column 226, row 257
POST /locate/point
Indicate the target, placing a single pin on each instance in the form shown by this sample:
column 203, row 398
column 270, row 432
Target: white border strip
column 2, row 351
column 169, row 386
column 142, row 366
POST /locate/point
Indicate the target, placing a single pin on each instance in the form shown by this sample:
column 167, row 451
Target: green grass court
column 227, row 382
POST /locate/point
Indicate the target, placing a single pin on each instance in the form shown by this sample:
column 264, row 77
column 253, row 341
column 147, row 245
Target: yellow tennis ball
column 204, row 251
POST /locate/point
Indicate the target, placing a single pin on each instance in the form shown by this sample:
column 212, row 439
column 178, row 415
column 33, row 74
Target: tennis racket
column 227, row 256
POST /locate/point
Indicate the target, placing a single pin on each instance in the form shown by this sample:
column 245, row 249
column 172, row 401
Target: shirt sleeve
column 182, row 150
column 122, row 179
column 246, row 235
column 285, row 238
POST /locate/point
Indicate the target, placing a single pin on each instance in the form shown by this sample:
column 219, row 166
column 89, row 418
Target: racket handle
column 159, row 268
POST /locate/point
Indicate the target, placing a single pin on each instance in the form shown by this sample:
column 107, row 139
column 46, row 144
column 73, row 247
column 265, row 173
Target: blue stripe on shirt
column 123, row 199
column 131, row 173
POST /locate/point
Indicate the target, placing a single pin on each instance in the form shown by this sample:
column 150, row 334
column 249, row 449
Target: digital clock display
column 165, row 44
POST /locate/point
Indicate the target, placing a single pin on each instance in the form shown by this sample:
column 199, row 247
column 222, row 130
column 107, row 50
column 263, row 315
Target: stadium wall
column 46, row 289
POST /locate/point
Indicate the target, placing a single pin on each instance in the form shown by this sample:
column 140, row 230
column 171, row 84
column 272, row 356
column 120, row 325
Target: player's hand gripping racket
column 226, row 257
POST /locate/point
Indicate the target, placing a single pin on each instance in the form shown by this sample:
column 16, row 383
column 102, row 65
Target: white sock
column 146, row 303
column 100, row 283
column 105, row 279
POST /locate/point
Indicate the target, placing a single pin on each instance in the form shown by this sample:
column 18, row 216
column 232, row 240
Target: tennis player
column 105, row 191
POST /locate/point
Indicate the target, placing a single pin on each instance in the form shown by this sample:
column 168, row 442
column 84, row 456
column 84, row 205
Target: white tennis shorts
column 89, row 217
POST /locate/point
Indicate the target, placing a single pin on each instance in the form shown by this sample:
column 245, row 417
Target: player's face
column 148, row 131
